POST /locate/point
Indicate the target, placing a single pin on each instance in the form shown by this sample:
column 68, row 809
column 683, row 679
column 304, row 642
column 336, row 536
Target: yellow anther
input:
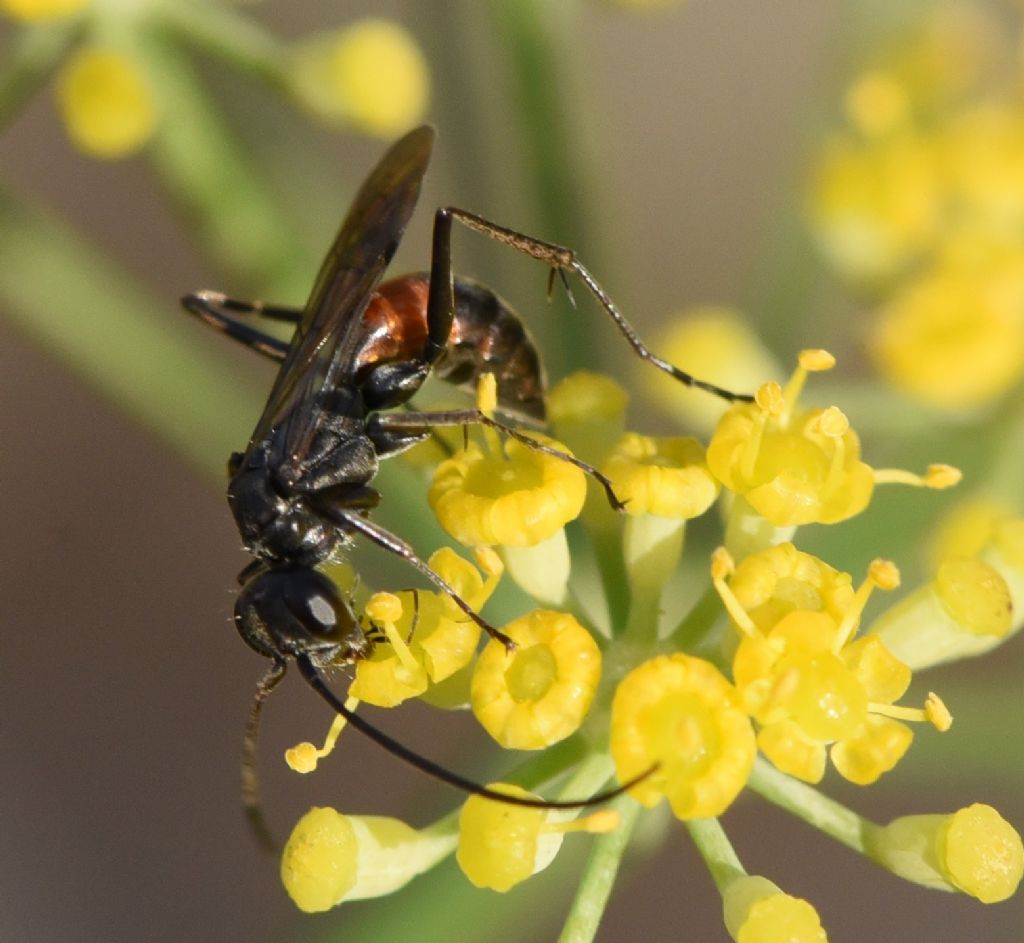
column 487, row 394
column 488, row 560
column 769, row 398
column 937, row 477
column 384, row 607
column 941, row 476
column 303, row 757
column 722, row 564
column 934, row 712
column 833, row 423
column 937, row 712
column 884, row 574
column 815, row 360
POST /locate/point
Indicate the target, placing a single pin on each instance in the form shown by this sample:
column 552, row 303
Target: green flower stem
column 219, row 31
column 698, row 624
column 537, row 35
column 807, row 803
column 237, row 40
column 209, row 175
column 140, row 353
column 592, row 895
column 36, row 53
column 716, row 850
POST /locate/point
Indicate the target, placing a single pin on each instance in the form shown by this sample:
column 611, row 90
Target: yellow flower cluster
column 370, row 75
column 920, row 200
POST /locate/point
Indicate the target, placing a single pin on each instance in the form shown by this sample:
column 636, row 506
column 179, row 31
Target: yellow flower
column 520, row 498
column 428, row 638
column 774, row 582
column 539, row 694
column 757, row 911
column 974, row 850
column 371, row 74
column 875, row 207
column 35, row 10
column 588, row 411
column 330, row 857
column 107, row 102
column 679, row 714
column 666, row 477
column 954, row 337
column 717, row 345
column 792, row 467
column 965, row 610
column 500, row 846
column 809, row 687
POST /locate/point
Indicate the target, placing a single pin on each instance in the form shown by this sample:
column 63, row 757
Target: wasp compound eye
column 296, row 610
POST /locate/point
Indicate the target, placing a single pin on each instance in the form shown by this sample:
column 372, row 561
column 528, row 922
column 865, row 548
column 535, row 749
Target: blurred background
column 694, row 155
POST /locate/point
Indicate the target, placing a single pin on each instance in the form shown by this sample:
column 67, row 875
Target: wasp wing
column 327, row 338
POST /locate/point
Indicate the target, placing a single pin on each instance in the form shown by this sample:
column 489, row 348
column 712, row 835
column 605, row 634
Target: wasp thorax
column 296, row 611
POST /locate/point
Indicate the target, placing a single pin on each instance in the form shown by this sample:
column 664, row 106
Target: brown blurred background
column 123, row 687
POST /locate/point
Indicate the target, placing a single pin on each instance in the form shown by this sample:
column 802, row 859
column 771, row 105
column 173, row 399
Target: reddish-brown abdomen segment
column 487, row 336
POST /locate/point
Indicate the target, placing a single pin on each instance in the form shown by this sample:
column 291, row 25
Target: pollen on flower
column 769, row 398
column 371, row 74
column 519, row 498
column 679, row 714
column 106, row 102
column 540, row 693
column 937, row 713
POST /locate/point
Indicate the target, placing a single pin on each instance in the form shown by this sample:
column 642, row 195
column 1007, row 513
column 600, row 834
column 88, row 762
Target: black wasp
column 301, row 488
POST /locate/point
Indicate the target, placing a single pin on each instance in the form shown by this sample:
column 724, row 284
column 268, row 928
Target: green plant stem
column 716, row 850
column 698, row 623
column 137, row 351
column 591, row 898
column 554, row 148
column 238, row 40
column 36, row 53
column 815, row 808
column 209, row 175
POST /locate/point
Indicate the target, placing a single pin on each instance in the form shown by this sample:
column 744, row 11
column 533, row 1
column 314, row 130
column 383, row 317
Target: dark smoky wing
column 326, row 340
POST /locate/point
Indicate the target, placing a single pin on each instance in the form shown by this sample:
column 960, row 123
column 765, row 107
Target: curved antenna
column 428, row 766
column 250, row 779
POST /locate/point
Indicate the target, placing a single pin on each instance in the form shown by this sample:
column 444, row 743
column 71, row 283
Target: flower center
column 531, row 674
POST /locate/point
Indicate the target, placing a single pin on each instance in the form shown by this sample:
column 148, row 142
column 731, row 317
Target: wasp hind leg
column 558, row 258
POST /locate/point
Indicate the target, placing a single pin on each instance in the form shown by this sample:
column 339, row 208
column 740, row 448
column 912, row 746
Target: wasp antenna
column 250, row 780
column 428, row 766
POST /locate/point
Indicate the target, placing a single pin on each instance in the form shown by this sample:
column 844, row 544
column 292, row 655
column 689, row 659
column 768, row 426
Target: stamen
column 882, row 574
column 385, row 609
column 934, row 712
column 487, row 403
column 769, row 399
column 303, row 757
column 938, row 477
column 722, row 566
column 598, row 823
